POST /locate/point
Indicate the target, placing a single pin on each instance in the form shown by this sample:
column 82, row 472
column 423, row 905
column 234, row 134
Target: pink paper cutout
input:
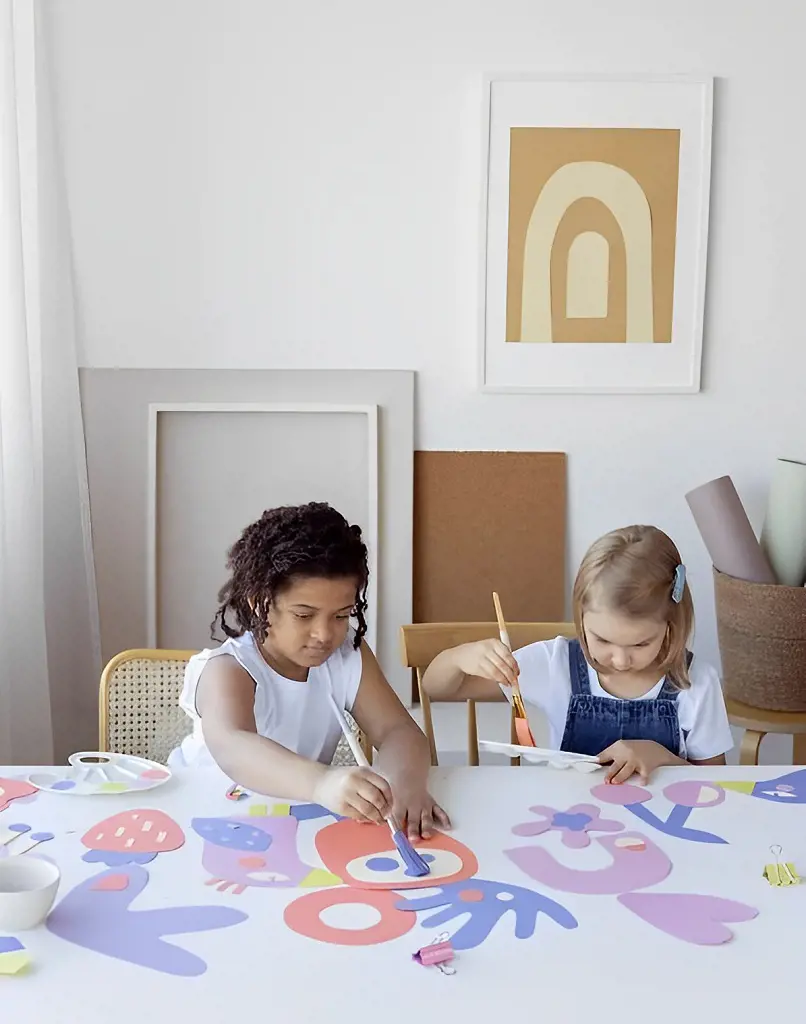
column 637, row 864
column 575, row 824
column 110, row 883
column 132, row 837
column 700, row 920
column 15, row 789
column 622, row 795
column 694, row 794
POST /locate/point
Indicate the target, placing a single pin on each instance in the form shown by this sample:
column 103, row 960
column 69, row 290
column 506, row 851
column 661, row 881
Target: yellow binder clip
column 780, row 873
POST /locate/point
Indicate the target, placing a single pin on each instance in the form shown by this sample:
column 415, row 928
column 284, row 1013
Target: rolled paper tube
column 727, row 533
column 784, row 535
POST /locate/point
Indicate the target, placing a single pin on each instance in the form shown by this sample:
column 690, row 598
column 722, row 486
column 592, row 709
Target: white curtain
column 49, row 651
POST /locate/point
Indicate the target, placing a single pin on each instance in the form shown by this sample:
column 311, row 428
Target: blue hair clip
column 679, row 585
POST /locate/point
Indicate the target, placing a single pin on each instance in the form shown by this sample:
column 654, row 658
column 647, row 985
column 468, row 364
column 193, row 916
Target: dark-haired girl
column 259, row 702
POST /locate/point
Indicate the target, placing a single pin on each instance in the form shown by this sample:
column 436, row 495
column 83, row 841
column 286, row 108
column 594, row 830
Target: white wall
column 263, row 184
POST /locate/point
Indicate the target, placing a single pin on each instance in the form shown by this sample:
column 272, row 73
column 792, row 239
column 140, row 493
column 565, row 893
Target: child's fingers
column 625, row 771
column 441, row 818
column 373, row 797
column 426, row 828
column 363, row 810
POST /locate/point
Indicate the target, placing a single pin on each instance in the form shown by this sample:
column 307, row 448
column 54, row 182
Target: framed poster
column 595, row 232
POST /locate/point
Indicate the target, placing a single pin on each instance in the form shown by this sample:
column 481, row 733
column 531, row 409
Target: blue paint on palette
column 64, row 784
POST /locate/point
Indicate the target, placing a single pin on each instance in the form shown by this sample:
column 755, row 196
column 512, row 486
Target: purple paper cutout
column 486, row 903
column 18, row 828
column 101, row 920
column 623, row 795
column 575, row 824
column 232, row 834
column 116, row 859
column 692, row 918
column 234, row 869
column 634, row 866
column 694, row 794
column 308, row 812
column 10, row 945
column 786, row 789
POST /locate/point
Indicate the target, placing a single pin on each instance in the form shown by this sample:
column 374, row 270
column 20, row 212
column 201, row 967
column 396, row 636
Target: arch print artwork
column 592, row 229
column 595, row 233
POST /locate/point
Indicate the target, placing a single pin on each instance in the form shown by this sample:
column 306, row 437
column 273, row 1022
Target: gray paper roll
column 727, row 533
column 783, row 538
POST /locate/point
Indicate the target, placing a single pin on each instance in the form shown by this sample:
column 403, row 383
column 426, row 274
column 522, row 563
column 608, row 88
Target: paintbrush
column 522, row 730
column 413, row 861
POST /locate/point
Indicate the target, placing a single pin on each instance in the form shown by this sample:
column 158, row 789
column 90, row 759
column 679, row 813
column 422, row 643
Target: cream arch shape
column 625, row 199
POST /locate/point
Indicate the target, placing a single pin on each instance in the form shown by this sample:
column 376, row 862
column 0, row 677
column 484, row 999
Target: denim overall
column 594, row 723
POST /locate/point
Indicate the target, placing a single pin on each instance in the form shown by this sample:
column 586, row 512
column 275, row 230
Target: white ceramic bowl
column 28, row 888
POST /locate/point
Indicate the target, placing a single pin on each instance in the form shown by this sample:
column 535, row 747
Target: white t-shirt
column 545, row 681
column 295, row 714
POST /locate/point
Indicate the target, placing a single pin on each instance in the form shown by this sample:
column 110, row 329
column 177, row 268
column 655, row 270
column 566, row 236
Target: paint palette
column 537, row 755
column 92, row 773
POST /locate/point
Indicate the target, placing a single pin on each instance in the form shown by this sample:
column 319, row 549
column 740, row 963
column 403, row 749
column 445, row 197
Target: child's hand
column 416, row 811
column 357, row 793
column 488, row 659
column 635, row 757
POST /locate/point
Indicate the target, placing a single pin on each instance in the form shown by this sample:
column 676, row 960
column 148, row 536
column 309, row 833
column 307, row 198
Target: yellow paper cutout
column 281, row 810
column 320, row 879
column 258, row 811
column 13, row 963
column 737, row 787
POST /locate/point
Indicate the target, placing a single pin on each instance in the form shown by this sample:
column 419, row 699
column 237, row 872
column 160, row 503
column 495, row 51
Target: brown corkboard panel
column 487, row 521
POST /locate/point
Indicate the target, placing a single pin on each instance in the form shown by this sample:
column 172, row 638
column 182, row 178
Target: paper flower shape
column 574, row 824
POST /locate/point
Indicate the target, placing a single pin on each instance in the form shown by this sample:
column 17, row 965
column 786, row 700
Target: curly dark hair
column 288, row 543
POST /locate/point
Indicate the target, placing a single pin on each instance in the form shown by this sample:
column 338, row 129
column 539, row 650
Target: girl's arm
column 473, row 671
column 403, row 755
column 711, row 760
column 225, row 700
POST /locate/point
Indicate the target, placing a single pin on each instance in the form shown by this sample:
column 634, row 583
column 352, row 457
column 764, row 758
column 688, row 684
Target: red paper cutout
column 111, row 883
column 14, row 789
column 346, row 845
column 302, row 916
column 142, row 831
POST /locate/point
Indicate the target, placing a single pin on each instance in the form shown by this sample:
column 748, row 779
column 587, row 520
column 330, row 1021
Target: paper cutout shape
column 132, row 837
column 365, row 857
column 15, row 789
column 575, row 824
column 13, row 956
column 486, row 903
column 111, row 882
column 637, row 864
column 686, row 796
column 256, row 851
column 700, row 920
column 786, row 789
column 303, row 917
column 99, row 918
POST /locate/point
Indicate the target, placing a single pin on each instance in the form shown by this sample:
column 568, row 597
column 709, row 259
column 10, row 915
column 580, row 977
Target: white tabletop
column 257, row 968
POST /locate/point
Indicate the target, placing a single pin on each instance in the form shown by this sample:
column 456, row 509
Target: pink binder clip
column 438, row 953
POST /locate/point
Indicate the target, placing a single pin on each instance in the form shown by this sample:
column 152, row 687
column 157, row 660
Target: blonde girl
column 628, row 689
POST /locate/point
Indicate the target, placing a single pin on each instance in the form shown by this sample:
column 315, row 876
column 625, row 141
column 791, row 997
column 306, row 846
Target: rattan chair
column 423, row 641
column 139, row 709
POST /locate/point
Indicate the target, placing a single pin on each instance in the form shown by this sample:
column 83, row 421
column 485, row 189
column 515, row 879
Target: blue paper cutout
column 233, row 835
column 497, row 898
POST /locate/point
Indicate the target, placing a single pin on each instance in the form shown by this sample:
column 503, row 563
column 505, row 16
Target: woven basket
column 762, row 641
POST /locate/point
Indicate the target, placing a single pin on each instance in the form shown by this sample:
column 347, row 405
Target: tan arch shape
column 625, row 198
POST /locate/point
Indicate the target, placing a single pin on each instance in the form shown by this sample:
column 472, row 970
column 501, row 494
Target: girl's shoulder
column 543, row 650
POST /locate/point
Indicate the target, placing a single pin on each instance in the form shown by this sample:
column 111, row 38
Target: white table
column 262, row 970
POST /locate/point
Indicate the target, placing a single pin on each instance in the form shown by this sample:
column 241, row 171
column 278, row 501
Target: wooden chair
column 422, row 642
column 757, row 723
column 139, row 709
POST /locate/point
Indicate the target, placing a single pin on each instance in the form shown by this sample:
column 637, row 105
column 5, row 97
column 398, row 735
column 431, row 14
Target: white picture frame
column 677, row 106
column 368, row 412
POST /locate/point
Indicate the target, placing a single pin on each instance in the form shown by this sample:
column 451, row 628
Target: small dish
column 28, row 887
column 93, row 773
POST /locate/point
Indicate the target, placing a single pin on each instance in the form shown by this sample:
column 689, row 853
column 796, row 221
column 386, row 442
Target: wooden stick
column 502, row 626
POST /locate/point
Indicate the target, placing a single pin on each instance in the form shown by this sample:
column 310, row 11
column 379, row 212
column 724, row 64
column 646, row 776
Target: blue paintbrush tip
column 414, row 862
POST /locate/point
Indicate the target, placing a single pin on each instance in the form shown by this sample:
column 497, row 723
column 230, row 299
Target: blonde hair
column 632, row 572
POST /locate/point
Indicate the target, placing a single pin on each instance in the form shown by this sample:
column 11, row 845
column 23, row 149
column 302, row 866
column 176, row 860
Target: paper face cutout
column 365, row 857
